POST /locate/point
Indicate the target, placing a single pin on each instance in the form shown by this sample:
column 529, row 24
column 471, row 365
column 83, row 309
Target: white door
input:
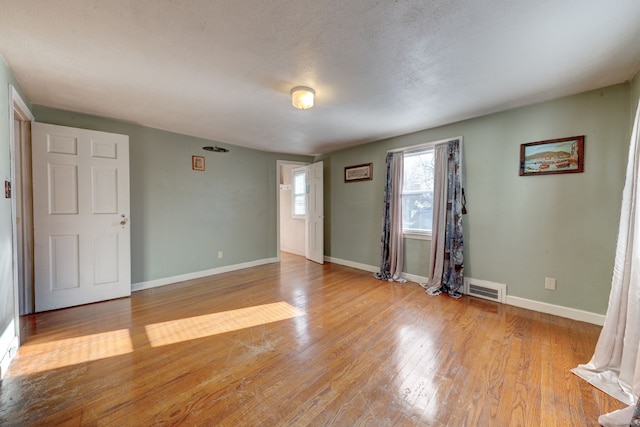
column 81, row 216
column 315, row 214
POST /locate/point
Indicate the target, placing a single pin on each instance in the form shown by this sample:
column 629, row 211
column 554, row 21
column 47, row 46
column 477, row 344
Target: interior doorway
column 291, row 227
column 300, row 209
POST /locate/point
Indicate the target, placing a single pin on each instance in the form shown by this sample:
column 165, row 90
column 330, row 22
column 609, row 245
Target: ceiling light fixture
column 215, row 149
column 302, row 97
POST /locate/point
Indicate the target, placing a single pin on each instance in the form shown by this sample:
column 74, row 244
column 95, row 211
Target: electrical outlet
column 220, row 254
column 550, row 283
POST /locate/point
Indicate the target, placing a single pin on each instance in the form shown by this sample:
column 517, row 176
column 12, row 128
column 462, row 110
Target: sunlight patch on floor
column 51, row 355
column 191, row 328
column 414, row 361
column 45, row 356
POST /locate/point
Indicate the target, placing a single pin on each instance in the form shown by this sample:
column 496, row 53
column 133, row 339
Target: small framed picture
column 363, row 172
column 197, row 163
column 554, row 156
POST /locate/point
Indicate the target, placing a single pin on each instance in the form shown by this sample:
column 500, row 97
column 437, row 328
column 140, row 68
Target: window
column 417, row 192
column 299, row 193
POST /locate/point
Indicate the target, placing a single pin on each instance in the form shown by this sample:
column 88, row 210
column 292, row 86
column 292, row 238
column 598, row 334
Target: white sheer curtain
column 615, row 365
column 436, row 262
column 446, row 263
column 396, row 238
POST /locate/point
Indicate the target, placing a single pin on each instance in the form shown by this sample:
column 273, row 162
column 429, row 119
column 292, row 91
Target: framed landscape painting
column 554, row 156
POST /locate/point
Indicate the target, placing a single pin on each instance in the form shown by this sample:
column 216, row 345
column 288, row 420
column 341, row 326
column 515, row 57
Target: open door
column 314, row 221
column 81, row 216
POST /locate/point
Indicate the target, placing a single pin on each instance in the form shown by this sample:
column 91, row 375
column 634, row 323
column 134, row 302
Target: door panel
column 106, row 258
column 64, row 261
column 104, row 193
column 81, row 211
column 315, row 213
column 63, row 189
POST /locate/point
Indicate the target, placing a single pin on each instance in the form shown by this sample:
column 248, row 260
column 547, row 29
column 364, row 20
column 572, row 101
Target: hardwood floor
column 296, row 344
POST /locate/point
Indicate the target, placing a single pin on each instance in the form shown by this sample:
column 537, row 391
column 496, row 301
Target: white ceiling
column 223, row 69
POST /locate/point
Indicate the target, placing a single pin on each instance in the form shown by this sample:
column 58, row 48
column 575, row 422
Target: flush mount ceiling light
column 215, row 149
column 302, row 97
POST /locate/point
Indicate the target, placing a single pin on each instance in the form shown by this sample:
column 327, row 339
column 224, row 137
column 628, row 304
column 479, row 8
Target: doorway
column 297, row 234
column 291, row 227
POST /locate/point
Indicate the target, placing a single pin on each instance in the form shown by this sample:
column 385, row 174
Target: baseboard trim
column 542, row 307
column 292, row 251
column 414, row 278
column 557, row 310
column 346, row 263
column 373, row 269
column 198, row 274
column 9, row 344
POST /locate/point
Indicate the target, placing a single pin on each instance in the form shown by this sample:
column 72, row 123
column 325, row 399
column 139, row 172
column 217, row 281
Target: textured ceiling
column 223, row 70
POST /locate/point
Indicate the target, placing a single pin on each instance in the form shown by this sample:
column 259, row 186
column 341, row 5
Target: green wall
column 519, row 230
column 181, row 218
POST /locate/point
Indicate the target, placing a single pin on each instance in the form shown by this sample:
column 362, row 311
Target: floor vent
column 487, row 290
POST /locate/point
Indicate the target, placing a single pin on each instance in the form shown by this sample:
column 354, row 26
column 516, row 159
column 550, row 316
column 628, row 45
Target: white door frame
column 21, row 112
column 278, row 213
column 17, row 110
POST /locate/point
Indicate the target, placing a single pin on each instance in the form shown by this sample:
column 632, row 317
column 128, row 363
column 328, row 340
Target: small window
column 299, row 193
column 417, row 192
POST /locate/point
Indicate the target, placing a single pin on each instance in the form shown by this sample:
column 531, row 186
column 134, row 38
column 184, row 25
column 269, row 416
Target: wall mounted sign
column 197, row 163
column 554, row 156
column 363, row 172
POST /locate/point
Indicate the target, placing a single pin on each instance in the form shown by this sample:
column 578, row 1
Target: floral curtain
column 392, row 240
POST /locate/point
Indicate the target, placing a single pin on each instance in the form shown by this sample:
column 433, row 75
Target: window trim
column 420, row 147
column 410, row 233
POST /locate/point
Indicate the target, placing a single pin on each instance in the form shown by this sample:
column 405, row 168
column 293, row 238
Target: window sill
column 417, row 236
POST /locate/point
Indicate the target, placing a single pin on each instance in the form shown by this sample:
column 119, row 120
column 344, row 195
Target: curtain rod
column 424, row 145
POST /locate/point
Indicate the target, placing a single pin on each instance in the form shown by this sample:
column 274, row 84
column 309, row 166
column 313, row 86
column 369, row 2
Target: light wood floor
column 296, row 344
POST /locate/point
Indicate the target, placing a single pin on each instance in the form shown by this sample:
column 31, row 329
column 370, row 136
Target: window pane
column 299, row 199
column 418, row 171
column 417, row 191
column 299, row 205
column 299, row 183
column 417, row 211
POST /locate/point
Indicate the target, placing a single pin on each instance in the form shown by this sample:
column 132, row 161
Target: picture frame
column 362, row 172
column 197, row 163
column 553, row 156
